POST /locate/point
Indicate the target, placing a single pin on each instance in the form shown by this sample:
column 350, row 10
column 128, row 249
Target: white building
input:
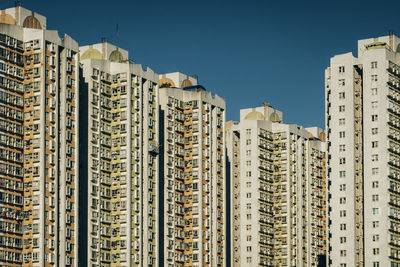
column 363, row 126
column 122, row 158
column 192, row 133
column 38, row 142
column 278, row 190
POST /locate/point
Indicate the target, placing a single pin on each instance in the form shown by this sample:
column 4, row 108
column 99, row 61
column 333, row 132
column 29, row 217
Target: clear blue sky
column 245, row 51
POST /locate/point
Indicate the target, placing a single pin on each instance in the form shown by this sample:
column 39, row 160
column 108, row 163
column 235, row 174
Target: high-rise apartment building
column 122, row 158
column 38, row 142
column 278, row 191
column 192, row 122
column 363, row 126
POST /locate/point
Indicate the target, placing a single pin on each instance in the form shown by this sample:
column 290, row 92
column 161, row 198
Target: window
column 341, row 69
column 248, row 174
column 342, row 174
column 342, row 200
column 342, row 148
column 342, row 95
column 342, row 121
column 375, row 264
column 248, row 195
column 374, row 65
column 375, row 184
column 342, row 82
column 374, row 117
column 342, row 213
column 342, row 187
column 342, row 226
column 248, row 163
column 374, row 91
column 374, row 157
column 248, row 216
column 342, row 134
column 248, row 131
column 343, row 265
column 341, row 108
column 248, row 227
column 374, row 144
column 374, row 131
column 343, row 240
column 248, row 142
column 342, row 161
column 375, row 251
column 375, row 198
column 375, row 238
column 375, row 171
column 375, row 211
column 248, row 259
column 248, row 238
column 248, row 152
column 374, row 78
column 374, row 104
column 248, row 184
column 248, row 248
column 375, row 224
column 343, row 253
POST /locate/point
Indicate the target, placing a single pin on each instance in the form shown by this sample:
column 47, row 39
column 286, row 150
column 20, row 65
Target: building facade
column 122, row 102
column 192, row 123
column 278, row 191
column 38, row 142
column 362, row 121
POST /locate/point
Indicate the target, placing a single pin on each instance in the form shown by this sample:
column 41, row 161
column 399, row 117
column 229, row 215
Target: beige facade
column 122, row 158
column 193, row 151
column 278, row 191
column 362, row 121
column 38, row 142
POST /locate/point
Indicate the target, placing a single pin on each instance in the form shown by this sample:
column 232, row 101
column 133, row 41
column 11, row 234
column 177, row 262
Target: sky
column 248, row 52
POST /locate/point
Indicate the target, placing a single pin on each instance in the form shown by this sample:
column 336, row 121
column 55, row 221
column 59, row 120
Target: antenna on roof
column 18, row 3
column 116, row 35
column 391, row 39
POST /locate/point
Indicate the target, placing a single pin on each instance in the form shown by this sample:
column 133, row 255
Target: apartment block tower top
column 22, row 17
column 265, row 112
column 177, row 80
column 104, row 51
